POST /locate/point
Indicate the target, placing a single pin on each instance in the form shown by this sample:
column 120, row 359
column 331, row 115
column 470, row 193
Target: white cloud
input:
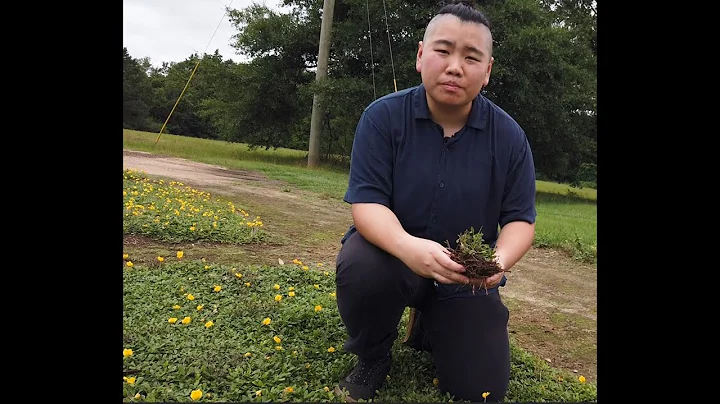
column 172, row 30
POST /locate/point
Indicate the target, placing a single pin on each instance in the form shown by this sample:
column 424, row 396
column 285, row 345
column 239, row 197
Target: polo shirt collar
column 477, row 112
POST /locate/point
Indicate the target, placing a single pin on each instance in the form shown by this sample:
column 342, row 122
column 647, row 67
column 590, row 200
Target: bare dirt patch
column 552, row 298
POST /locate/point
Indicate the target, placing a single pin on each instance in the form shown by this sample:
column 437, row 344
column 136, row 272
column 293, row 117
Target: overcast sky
column 171, row 30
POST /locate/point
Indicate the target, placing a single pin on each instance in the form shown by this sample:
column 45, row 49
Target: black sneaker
column 367, row 377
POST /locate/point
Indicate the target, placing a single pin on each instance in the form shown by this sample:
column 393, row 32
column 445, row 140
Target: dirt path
column 553, row 299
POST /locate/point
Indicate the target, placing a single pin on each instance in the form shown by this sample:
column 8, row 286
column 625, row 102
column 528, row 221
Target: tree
column 137, row 94
column 545, row 76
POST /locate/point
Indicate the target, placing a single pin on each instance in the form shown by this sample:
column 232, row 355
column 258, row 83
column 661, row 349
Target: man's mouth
column 450, row 85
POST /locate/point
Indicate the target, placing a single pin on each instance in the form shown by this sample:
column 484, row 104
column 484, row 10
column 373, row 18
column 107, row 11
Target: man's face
column 454, row 60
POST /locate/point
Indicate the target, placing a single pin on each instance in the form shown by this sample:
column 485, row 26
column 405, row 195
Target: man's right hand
column 430, row 259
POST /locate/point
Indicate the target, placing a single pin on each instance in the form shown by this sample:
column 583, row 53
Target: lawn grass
column 239, row 332
column 567, row 216
column 255, row 333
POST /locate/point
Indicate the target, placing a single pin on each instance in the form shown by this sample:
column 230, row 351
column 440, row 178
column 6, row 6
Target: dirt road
column 552, row 298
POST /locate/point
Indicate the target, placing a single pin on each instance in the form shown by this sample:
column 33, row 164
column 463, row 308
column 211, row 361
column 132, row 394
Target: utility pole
column 321, row 72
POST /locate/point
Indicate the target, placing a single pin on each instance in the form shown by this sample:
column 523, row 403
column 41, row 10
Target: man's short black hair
column 465, row 11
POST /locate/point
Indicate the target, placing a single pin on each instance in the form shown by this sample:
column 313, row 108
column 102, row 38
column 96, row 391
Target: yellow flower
column 326, row 388
column 258, row 393
column 186, row 320
column 127, row 352
column 319, row 264
column 276, row 286
column 207, row 266
column 582, row 379
column 129, row 380
column 129, row 264
column 436, row 381
column 277, row 339
column 137, row 396
column 209, row 324
column 291, row 288
column 172, row 320
column 278, row 348
column 305, row 267
column 278, row 298
column 316, row 286
column 161, row 259
column 331, row 349
column 318, row 308
column 485, row 394
column 289, row 389
column 195, row 394
column 332, row 294
column 238, row 274
column 248, row 354
column 291, row 294
column 176, row 307
column 125, row 256
column 190, row 296
column 217, row 288
column 266, row 321
column 247, row 283
column 200, row 307
column 180, row 255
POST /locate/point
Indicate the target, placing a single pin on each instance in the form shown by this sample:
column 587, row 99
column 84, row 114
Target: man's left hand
column 494, row 280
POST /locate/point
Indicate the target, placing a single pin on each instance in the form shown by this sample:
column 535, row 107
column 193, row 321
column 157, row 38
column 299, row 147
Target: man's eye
column 441, row 51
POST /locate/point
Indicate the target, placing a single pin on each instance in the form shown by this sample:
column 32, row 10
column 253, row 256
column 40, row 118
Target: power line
column 200, row 58
column 372, row 62
column 390, row 45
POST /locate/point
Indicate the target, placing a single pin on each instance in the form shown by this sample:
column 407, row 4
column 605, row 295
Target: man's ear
column 419, row 57
column 489, row 70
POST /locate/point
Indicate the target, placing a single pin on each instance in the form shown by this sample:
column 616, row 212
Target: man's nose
column 454, row 66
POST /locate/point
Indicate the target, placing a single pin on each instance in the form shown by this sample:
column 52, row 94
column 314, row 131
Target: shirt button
column 442, row 184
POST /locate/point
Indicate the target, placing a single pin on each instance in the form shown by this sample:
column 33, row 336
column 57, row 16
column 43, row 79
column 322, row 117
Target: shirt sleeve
column 519, row 195
column 370, row 179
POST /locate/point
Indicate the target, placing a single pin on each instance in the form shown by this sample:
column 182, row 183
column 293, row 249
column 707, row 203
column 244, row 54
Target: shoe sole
column 340, row 393
column 410, row 325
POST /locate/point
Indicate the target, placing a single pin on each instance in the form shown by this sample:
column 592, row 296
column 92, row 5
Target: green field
column 194, row 329
column 567, row 216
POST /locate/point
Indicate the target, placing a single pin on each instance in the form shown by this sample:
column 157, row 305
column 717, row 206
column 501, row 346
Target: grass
column 195, row 329
column 174, row 212
column 242, row 343
column 567, row 223
column 554, row 188
column 567, row 216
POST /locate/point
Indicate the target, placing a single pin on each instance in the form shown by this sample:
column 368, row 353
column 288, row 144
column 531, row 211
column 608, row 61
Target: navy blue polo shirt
column 482, row 177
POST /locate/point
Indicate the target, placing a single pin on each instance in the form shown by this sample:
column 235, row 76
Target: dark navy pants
column 467, row 333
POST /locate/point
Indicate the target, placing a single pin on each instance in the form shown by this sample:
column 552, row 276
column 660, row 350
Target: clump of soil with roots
column 478, row 258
